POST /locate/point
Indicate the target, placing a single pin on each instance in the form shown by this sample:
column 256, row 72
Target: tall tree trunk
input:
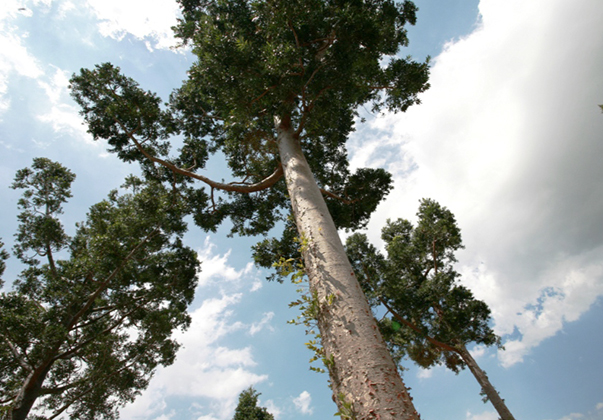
column 484, row 382
column 364, row 378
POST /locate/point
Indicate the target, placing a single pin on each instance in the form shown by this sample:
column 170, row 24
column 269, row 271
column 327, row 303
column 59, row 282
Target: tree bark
column 364, row 378
column 484, row 382
column 29, row 392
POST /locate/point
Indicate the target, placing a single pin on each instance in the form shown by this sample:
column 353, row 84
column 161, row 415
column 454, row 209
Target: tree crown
column 310, row 64
column 417, row 284
column 97, row 315
column 248, row 409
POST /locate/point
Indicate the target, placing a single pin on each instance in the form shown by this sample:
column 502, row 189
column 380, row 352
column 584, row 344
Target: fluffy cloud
column 152, row 24
column 425, row 373
column 205, row 369
column 256, row 327
column 509, row 138
column 215, row 268
column 63, row 115
column 596, row 414
column 302, row 403
column 273, row 409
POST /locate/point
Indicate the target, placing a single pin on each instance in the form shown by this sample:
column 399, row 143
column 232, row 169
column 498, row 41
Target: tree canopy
column 313, row 62
column 91, row 316
column 248, row 409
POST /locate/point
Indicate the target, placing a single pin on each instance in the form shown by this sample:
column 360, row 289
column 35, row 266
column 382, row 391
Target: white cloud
column 486, row 415
column 215, row 268
column 597, row 414
column 256, row 327
column 572, row 416
column 14, row 57
column 63, row 115
column 135, row 17
column 257, row 285
column 478, row 351
column 509, row 138
column 273, row 409
column 425, row 373
column 164, row 417
column 302, row 403
column 205, row 368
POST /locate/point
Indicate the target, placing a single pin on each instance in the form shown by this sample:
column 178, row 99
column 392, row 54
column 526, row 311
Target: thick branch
column 105, row 283
column 337, row 197
column 59, row 389
column 18, row 356
column 258, row 186
column 91, row 388
column 72, row 351
column 416, row 329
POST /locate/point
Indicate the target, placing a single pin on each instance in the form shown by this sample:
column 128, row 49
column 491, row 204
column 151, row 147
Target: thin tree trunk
column 484, row 382
column 364, row 378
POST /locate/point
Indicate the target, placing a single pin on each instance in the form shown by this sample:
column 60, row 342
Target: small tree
column 433, row 318
column 248, row 409
column 83, row 332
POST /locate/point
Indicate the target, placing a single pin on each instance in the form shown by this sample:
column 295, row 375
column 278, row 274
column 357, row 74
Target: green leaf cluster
column 248, row 409
column 91, row 316
column 431, row 316
column 311, row 63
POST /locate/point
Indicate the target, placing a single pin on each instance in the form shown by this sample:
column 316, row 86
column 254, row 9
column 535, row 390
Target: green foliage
column 269, row 251
column 85, row 329
column 3, row 257
column 432, row 316
column 312, row 63
column 307, row 303
column 248, row 409
column 346, row 410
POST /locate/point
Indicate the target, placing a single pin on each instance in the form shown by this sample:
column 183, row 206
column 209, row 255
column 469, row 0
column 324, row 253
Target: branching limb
column 336, row 197
column 22, row 362
column 259, row 186
column 105, row 283
column 416, row 329
column 90, row 389
column 409, row 324
column 73, row 351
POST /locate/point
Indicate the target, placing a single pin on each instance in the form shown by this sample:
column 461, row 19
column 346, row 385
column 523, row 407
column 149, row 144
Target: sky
column 509, row 137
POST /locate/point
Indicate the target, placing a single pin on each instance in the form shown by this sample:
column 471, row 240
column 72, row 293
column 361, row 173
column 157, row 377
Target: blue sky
column 509, row 137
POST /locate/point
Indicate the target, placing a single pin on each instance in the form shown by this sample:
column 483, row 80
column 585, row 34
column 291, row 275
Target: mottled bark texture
column 362, row 371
